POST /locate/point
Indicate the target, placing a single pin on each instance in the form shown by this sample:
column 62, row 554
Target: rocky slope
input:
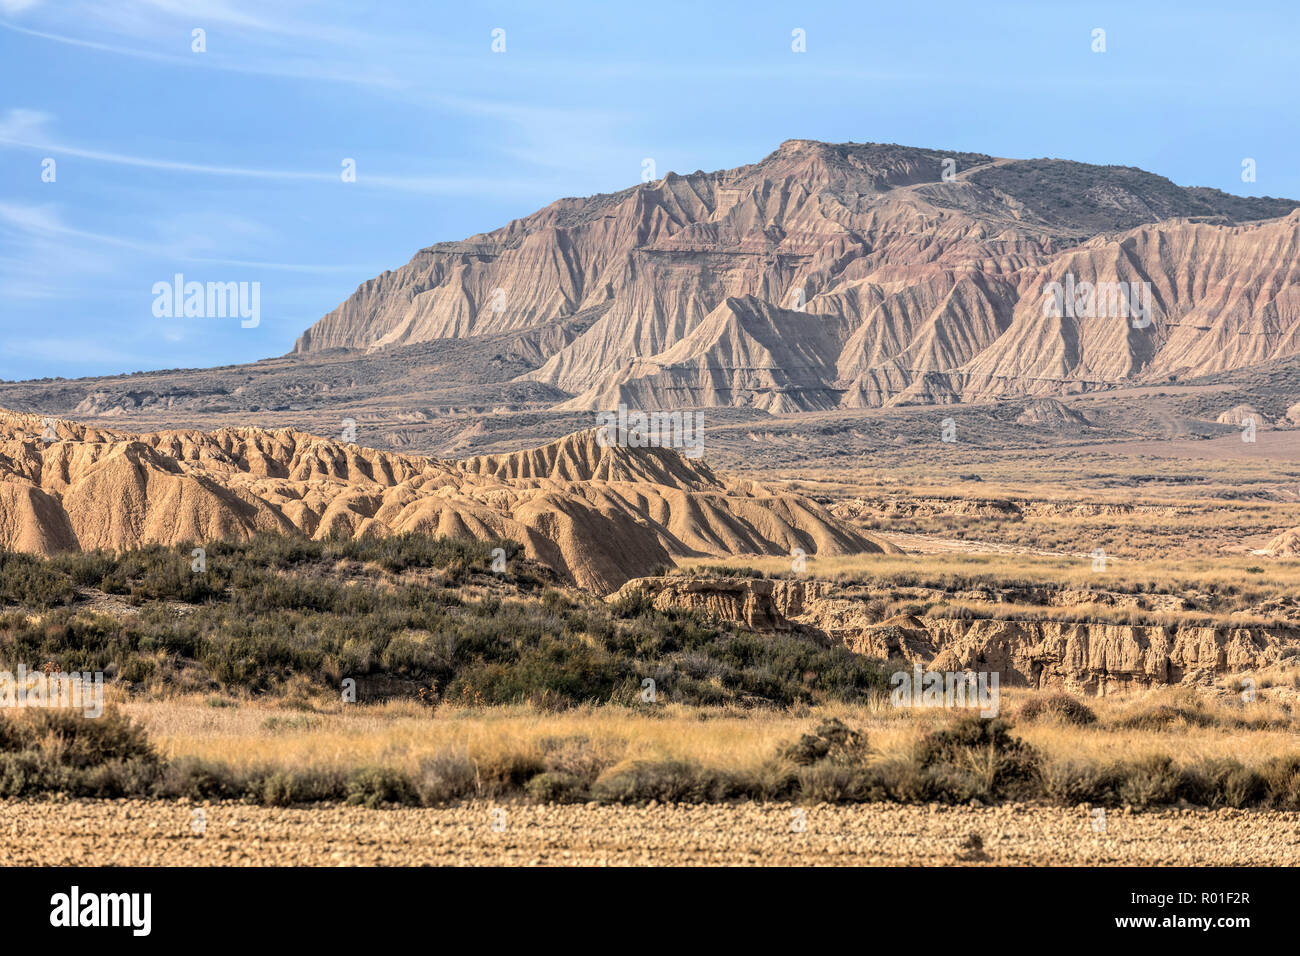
column 596, row 514
column 1284, row 545
column 852, row 275
column 1083, row 656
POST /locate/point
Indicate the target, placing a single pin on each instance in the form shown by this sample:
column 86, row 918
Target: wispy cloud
column 286, row 66
column 45, row 222
column 446, row 80
column 26, row 129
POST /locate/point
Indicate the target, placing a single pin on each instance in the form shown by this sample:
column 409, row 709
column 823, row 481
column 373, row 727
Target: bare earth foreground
column 100, row 833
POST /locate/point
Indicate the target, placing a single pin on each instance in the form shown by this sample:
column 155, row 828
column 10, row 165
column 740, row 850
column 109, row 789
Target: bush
column 26, row 579
column 25, row 774
column 191, row 778
column 285, row 788
column 445, row 777
column 272, row 609
column 501, row 774
column 135, row 777
column 984, row 748
column 1150, row 781
column 774, row 780
column 667, row 781
column 905, row 780
column 635, row 603
column 1071, row 782
column 573, row 756
column 68, row 738
column 828, row 782
column 375, row 786
column 1281, row 780
column 553, row 787
column 832, row 740
column 1163, row 716
column 1058, row 707
column 1221, row 783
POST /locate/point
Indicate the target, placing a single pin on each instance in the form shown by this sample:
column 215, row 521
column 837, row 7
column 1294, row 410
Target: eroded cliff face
column 1082, row 656
column 758, row 603
column 1085, row 656
column 849, row 275
column 597, row 514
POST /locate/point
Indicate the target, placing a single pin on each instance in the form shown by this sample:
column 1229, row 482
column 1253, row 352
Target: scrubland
column 474, row 689
column 1169, row 748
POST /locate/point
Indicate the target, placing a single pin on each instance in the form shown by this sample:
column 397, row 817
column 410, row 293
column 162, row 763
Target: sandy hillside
column 596, row 514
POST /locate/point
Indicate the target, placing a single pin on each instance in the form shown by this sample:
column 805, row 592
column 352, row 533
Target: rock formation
column 1240, row 415
column 596, row 514
column 1083, row 656
column 856, row 275
column 1284, row 545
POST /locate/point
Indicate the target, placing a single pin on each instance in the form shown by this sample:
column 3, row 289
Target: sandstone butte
column 597, row 515
column 850, row 275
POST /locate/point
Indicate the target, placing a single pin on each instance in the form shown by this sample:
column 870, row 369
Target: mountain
column 850, row 275
column 596, row 513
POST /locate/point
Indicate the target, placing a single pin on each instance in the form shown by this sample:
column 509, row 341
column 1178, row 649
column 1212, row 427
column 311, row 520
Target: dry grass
column 957, row 569
column 401, row 735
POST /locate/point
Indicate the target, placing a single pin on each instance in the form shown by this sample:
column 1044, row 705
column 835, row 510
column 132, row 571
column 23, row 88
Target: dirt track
column 141, row 833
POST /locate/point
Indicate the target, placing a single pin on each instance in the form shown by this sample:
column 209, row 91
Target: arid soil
column 152, row 834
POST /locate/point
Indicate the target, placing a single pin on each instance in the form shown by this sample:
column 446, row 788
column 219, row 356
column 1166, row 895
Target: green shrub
column 1059, row 707
column 667, row 781
column 68, row 738
column 635, row 603
column 191, row 778
column 285, row 788
column 136, row 777
column 1150, row 781
column 828, row 782
column 1164, row 716
column 447, row 776
column 1071, row 782
column 375, row 786
column 983, row 748
column 832, row 740
column 553, row 787
column 29, row 580
column 1281, row 780
column 272, row 609
column 27, row 773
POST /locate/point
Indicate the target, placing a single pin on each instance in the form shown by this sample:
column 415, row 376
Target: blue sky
column 225, row 165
